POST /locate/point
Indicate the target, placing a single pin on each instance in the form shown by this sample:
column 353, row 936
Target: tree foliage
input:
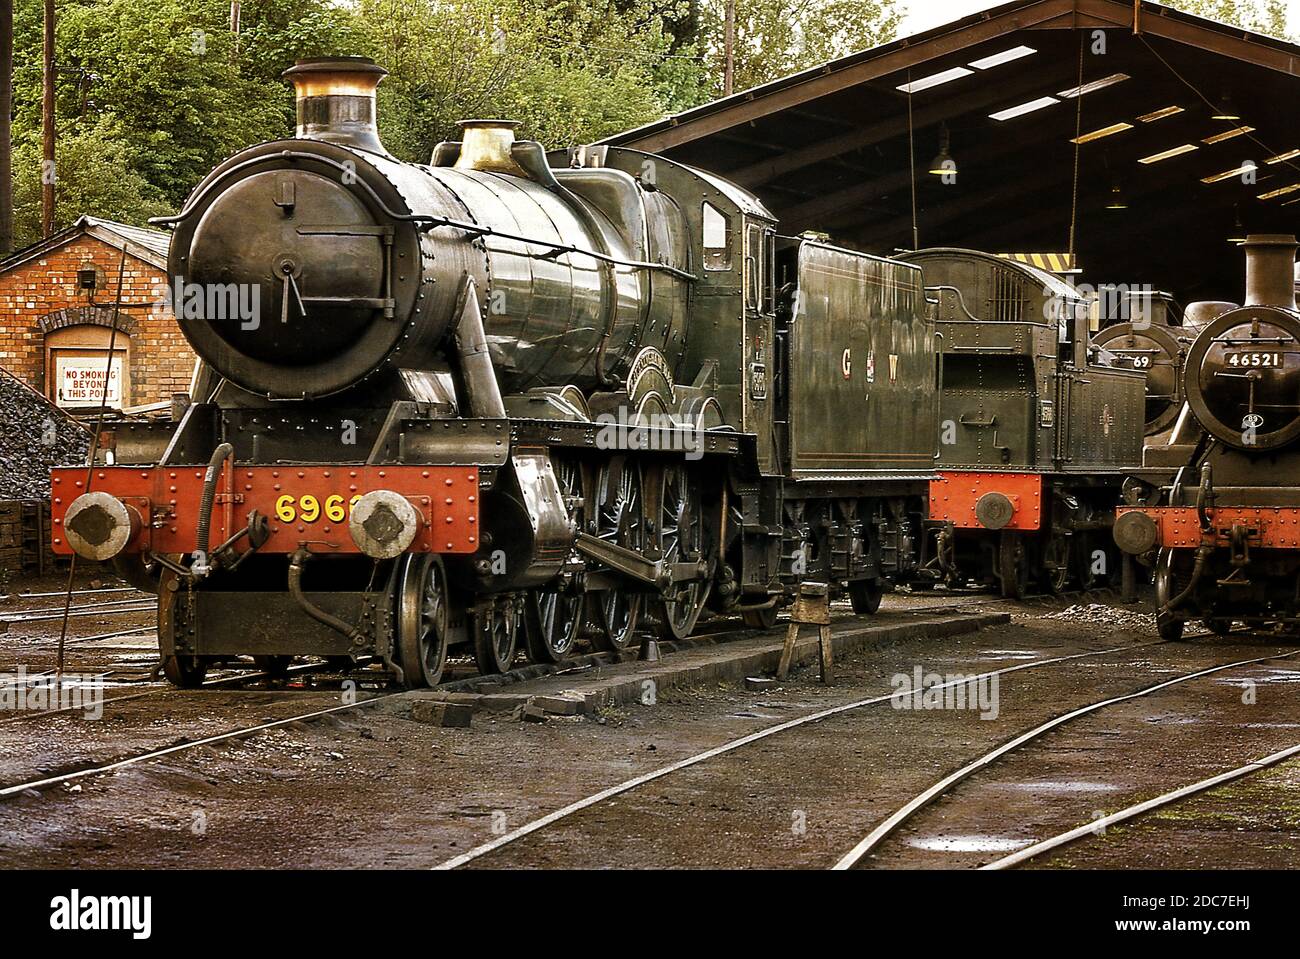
column 778, row 37
column 1261, row 16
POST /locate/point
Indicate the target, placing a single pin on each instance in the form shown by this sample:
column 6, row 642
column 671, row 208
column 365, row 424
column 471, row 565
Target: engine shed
column 1124, row 143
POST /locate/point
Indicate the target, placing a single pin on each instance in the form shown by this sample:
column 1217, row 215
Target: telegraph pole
column 47, row 126
column 729, row 49
column 6, row 139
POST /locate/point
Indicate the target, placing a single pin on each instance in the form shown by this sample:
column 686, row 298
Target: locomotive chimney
column 336, row 100
column 488, row 145
column 1270, row 270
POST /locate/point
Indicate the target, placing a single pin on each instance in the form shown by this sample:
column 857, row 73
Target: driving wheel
column 618, row 520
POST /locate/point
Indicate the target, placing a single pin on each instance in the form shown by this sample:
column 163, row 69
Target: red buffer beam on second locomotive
column 975, row 500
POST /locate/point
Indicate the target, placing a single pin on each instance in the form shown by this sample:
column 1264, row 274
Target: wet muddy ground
column 374, row 788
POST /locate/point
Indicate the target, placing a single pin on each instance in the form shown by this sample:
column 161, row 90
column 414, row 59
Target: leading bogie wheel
column 186, row 672
column 423, row 613
column 496, row 634
column 181, row 670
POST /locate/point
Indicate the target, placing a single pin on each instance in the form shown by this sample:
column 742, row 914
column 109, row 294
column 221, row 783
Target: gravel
column 1106, row 618
column 35, row 435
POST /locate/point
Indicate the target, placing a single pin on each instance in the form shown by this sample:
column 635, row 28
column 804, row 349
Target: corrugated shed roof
column 141, row 242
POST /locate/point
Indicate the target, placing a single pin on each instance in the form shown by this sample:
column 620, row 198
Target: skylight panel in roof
column 1280, row 191
column 934, row 80
column 1006, row 56
column 1020, row 110
column 1094, row 85
column 1228, row 134
column 1165, row 155
column 1283, row 157
column 1155, row 115
column 1103, row 132
column 1229, row 174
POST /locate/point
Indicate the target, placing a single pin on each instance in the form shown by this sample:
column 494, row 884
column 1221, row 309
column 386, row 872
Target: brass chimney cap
column 334, row 65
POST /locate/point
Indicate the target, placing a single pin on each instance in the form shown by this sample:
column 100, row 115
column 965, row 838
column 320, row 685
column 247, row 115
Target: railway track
column 1140, row 809
column 525, row 672
column 630, row 784
column 910, row 809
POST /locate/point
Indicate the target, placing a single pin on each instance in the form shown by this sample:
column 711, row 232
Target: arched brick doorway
column 76, row 342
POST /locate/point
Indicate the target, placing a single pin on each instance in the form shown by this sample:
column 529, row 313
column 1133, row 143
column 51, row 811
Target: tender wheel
column 759, row 618
column 186, row 672
column 496, row 636
column 681, row 540
column 619, row 519
column 554, row 617
column 1013, row 565
column 865, row 594
column 422, row 620
column 275, row 667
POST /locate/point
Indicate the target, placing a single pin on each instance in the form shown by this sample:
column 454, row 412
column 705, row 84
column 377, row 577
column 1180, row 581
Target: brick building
column 57, row 315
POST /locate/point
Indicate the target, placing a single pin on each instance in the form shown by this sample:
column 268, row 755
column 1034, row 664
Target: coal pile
column 35, row 435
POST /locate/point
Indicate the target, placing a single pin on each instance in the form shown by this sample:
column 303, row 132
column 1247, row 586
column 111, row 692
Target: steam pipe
column 202, row 566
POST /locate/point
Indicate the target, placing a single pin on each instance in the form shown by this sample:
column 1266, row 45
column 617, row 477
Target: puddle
column 1051, row 786
column 1270, row 676
column 968, row 843
column 1008, row 654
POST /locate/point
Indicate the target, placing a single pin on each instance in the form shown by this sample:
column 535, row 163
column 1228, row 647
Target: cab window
column 717, row 239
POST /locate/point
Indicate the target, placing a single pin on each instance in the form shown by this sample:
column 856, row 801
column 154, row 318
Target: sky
column 924, row 14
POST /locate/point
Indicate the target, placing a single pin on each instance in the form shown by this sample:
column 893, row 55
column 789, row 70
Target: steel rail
column 633, row 783
column 18, row 615
column 923, row 799
column 1138, row 809
column 305, row 668
column 240, row 733
column 88, row 611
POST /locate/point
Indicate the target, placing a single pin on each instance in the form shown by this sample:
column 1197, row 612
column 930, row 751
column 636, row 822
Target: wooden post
column 811, row 608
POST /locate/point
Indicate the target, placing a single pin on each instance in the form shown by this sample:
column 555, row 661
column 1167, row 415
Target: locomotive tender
column 1215, row 505
column 502, row 395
